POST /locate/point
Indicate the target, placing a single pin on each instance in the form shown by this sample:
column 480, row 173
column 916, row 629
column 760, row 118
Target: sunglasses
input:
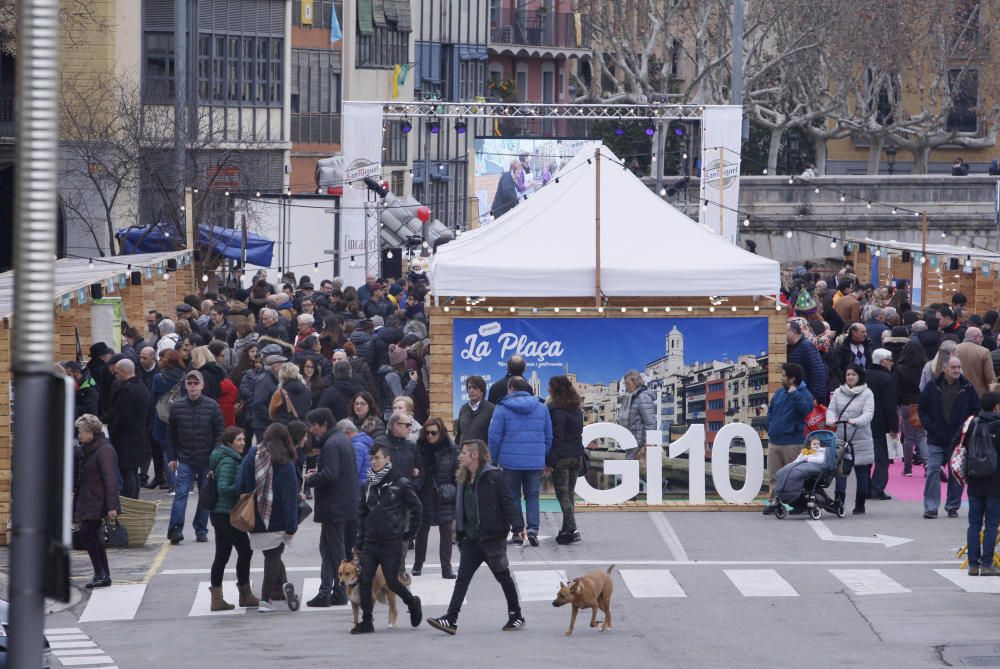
column 194, row 383
column 432, row 433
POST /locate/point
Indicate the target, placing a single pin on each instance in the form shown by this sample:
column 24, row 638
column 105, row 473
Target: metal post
column 35, row 229
column 722, row 191
column 180, row 94
column 597, row 228
column 736, row 85
column 425, row 199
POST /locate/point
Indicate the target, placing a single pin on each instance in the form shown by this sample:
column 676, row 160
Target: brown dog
column 350, row 575
column 590, row 591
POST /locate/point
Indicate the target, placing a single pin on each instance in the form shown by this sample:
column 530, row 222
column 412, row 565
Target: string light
column 756, row 308
column 388, row 254
column 489, row 309
column 447, row 309
column 746, row 223
column 788, row 234
column 733, row 309
column 90, row 263
column 833, row 243
column 624, row 310
column 513, row 309
column 468, row 308
column 556, row 310
column 817, row 190
column 842, row 198
column 869, row 205
column 764, row 171
column 666, row 309
column 600, row 310
column 690, row 309
column 645, row 310
column 166, row 276
column 712, row 309
column 663, row 192
column 204, row 278
column 578, row 310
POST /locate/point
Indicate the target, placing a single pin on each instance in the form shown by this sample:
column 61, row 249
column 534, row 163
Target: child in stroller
column 802, row 484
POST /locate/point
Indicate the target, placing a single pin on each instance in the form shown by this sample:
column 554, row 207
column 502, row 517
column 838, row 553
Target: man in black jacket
column 515, row 367
column 387, row 500
column 886, row 420
column 485, row 513
column 88, row 395
column 194, row 429
column 128, row 426
column 341, row 393
column 336, row 484
column 945, row 403
column 264, row 387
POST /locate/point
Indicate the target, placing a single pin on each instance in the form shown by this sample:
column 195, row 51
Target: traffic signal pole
column 35, row 229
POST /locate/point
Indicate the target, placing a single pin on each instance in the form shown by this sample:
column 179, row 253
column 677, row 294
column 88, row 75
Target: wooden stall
column 158, row 287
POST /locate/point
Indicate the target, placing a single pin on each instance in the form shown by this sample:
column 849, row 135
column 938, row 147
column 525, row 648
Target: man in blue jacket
column 520, row 437
column 786, row 425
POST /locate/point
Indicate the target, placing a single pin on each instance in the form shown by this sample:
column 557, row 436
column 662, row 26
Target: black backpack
column 981, row 460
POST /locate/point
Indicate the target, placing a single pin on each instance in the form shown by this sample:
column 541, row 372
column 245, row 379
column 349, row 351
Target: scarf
column 375, row 478
column 263, row 477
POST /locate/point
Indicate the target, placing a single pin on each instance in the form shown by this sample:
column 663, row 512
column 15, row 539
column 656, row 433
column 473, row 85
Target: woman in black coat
column 567, row 450
column 440, row 458
column 96, row 495
column 906, row 373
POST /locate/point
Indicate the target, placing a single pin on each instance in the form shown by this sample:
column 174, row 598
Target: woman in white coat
column 854, row 404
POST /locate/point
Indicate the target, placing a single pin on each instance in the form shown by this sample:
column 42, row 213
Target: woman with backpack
column 168, row 386
column 292, row 400
column 224, row 466
column 984, row 490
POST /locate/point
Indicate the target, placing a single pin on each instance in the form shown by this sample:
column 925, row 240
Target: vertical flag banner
column 335, row 33
column 722, row 128
column 307, row 13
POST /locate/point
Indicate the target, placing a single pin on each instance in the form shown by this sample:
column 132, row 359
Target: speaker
column 136, row 278
column 172, row 264
column 862, row 247
column 392, row 267
column 953, row 264
column 847, row 250
column 906, row 256
column 96, row 291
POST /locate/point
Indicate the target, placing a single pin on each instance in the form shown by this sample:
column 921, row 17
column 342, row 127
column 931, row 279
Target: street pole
column 180, row 95
column 722, row 190
column 35, row 229
column 597, row 227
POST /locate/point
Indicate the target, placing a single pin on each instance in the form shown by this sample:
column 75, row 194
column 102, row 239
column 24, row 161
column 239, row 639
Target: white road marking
column 310, row 587
column 868, row 582
column 202, row 605
column 82, row 661
column 120, row 602
column 69, row 637
column 976, row 584
column 669, row 536
column 71, row 644
column 63, row 630
column 538, row 586
column 760, row 583
column 643, row 583
column 79, row 652
column 826, row 534
column 433, row 590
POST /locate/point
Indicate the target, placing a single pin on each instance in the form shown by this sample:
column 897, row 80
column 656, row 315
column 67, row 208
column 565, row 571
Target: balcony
column 318, row 128
column 6, row 117
column 540, row 33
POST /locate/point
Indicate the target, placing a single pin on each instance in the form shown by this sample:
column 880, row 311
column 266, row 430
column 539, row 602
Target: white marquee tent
column 546, row 246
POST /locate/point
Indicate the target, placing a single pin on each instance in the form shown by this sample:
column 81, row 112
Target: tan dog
column 350, row 575
column 590, row 591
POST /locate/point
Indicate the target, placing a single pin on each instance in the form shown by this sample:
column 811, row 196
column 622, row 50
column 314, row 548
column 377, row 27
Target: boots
column 218, row 603
column 247, row 598
column 859, row 504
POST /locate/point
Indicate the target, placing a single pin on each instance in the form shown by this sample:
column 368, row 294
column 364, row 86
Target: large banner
column 361, row 148
column 722, row 129
column 709, row 371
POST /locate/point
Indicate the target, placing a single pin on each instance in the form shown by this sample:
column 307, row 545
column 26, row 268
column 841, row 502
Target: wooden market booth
column 142, row 283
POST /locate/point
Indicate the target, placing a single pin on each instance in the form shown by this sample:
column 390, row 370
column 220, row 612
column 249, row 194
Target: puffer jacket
column 567, row 434
column 862, row 411
column 520, row 435
column 641, row 414
column 195, row 427
column 786, row 415
column 384, row 510
column 225, row 465
column 440, row 461
column 362, row 459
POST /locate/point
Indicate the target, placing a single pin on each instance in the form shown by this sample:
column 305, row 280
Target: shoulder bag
column 243, row 515
column 115, row 535
column 208, row 494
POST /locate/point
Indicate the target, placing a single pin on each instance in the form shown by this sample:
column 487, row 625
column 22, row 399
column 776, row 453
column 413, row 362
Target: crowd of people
column 316, row 402
column 863, row 362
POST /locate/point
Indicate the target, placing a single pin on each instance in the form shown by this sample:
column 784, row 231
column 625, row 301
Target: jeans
column 187, row 475
column 564, row 476
column 444, row 545
column 862, row 473
column 130, row 482
column 89, row 530
column 388, row 556
column 331, row 553
column 937, row 456
column 530, row 480
column 914, row 439
column 980, row 508
column 880, row 473
column 228, row 537
column 274, row 572
column 472, row 554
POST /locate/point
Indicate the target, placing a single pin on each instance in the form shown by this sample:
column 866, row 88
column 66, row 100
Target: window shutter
column 366, row 20
column 379, row 11
column 404, row 22
column 158, row 15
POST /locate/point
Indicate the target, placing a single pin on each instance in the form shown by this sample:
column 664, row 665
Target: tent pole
column 597, row 228
column 722, row 186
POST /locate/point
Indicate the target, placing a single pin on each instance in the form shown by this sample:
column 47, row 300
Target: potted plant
column 505, row 89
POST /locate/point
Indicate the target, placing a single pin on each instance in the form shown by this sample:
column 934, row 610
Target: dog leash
column 548, row 564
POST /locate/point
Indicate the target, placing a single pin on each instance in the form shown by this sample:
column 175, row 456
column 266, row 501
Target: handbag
column 243, row 515
column 447, row 491
column 304, row 510
column 915, row 416
column 208, row 495
column 895, row 447
column 115, row 535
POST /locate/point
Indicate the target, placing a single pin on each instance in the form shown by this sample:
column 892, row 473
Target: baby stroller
column 803, row 485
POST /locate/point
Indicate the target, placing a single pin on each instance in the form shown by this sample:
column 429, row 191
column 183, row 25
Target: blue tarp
column 223, row 241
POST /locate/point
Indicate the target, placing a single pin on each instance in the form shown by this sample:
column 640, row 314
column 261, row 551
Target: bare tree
column 75, row 16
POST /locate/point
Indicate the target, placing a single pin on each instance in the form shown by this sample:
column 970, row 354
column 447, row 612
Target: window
column 383, row 49
column 394, row 152
column 240, row 69
column 715, row 404
column 315, row 96
column 471, row 79
column 715, row 426
column 397, row 182
column 964, row 85
column 159, row 49
column 715, row 387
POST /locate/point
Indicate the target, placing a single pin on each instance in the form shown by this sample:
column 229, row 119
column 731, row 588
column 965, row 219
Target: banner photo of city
column 703, row 370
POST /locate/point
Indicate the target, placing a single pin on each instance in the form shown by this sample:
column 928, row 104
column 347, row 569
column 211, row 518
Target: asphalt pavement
column 692, row 589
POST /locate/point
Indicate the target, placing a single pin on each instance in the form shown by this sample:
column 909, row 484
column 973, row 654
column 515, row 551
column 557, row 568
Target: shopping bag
column 243, row 515
column 895, row 447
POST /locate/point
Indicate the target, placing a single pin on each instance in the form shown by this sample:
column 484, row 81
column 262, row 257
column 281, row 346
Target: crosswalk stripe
column 868, row 582
column 120, row 602
column 82, row 661
column 760, row 583
column 202, row 605
column 538, row 586
column 310, row 587
column 71, row 644
column 644, row 583
column 432, row 589
column 63, row 630
column 69, row 637
column 976, row 584
column 60, row 653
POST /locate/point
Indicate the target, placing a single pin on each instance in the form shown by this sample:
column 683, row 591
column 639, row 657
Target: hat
column 271, row 349
column 306, row 286
column 194, row 373
column 397, row 355
column 115, row 359
column 395, row 289
column 900, row 331
column 99, row 349
column 184, row 308
column 409, row 339
column 273, row 359
column 378, row 321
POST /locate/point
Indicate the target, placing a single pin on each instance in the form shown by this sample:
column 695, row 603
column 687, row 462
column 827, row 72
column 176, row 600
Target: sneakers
column 99, row 581
column 290, row 597
column 533, row 539
column 989, row 570
column 953, row 513
column 417, row 569
column 265, row 607
column 908, row 473
column 338, row 598
column 566, row 538
column 443, row 624
column 416, row 612
column 319, row 601
column 201, row 538
column 363, row 627
column 176, row 537
column 930, row 515
column 770, row 509
column 973, row 569
column 514, row 623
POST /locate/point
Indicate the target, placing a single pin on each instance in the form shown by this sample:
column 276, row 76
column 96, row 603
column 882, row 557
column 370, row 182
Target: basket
column 138, row 518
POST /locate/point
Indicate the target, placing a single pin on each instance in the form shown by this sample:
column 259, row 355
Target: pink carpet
column 909, row 489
